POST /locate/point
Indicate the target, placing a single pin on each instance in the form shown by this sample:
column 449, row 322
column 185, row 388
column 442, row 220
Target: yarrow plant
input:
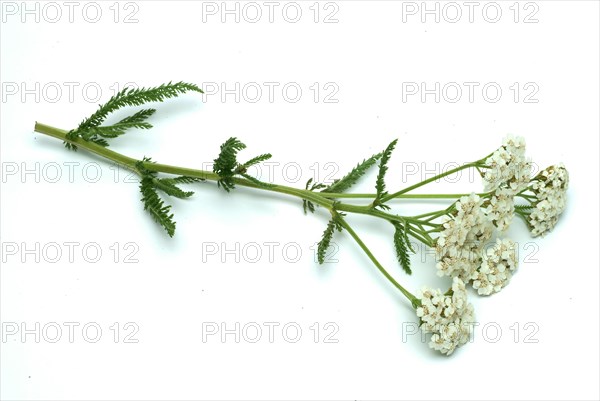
column 459, row 233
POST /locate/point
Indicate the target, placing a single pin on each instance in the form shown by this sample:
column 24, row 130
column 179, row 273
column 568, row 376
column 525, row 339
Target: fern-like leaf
column 325, row 241
column 524, row 208
column 171, row 189
column 155, row 206
column 306, row 204
column 255, row 160
column 226, row 164
column 183, row 179
column 97, row 141
column 136, row 120
column 401, row 246
column 353, row 176
column 90, row 130
column 136, row 97
column 149, row 185
column 380, row 184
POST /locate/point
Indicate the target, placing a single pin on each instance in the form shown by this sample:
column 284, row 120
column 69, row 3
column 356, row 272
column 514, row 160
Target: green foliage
column 310, row 186
column 183, row 179
column 255, row 160
column 171, row 189
column 90, row 129
column 150, row 183
column 98, row 141
column 227, row 166
column 97, row 134
column 136, row 97
column 325, row 241
column 155, row 205
column 353, row 176
column 402, row 244
column 380, row 183
column 526, row 209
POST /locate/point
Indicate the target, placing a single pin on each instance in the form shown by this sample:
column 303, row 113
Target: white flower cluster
column 508, row 174
column 462, row 238
column 500, row 208
column 550, row 188
column 508, row 165
column 497, row 267
column 448, row 317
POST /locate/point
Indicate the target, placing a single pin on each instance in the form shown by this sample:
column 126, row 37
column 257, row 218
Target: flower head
column 500, row 208
column 497, row 268
column 448, row 317
column 508, row 165
column 462, row 238
column 550, row 189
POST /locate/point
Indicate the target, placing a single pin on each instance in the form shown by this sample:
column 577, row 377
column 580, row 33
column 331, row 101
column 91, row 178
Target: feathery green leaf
column 89, row 129
column 136, row 97
column 306, row 204
column 171, row 189
column 380, row 184
column 152, row 201
column 401, row 246
column 155, row 206
column 226, row 164
column 136, row 120
column 524, row 208
column 325, row 241
column 255, row 160
column 353, row 176
column 183, row 179
column 98, row 141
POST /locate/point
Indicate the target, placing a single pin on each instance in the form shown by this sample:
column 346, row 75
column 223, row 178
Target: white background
column 369, row 56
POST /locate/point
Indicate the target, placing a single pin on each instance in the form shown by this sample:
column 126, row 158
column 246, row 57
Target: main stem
column 324, row 199
column 130, row 163
column 341, row 195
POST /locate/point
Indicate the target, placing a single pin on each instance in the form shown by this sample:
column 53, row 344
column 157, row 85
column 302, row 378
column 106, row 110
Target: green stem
column 368, row 252
column 58, row 133
column 130, row 164
column 318, row 198
column 429, row 180
column 401, row 196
